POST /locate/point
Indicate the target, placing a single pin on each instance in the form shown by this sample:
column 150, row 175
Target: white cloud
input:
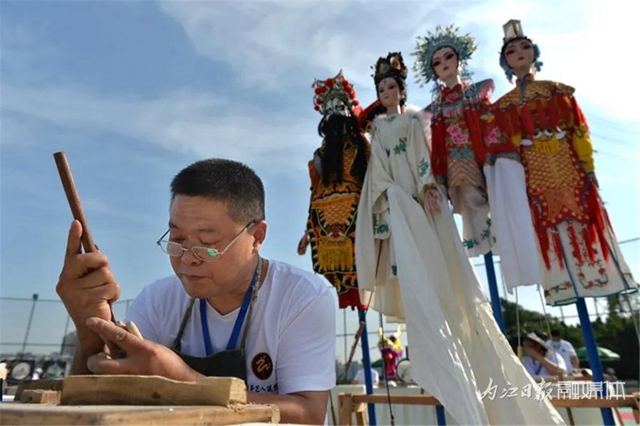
column 276, row 49
column 267, row 44
column 199, row 124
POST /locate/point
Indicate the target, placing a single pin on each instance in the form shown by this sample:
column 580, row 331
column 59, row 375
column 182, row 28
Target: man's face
column 556, row 338
column 532, row 345
column 198, row 221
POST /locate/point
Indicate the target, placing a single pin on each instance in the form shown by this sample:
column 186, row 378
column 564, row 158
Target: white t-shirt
column 537, row 369
column 292, row 328
column 566, row 350
column 375, row 377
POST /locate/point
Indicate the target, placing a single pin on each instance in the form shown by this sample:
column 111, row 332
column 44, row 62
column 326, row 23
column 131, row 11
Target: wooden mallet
column 68, row 183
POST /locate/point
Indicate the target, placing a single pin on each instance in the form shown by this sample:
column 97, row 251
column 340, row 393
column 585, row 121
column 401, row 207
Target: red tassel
column 552, row 110
column 574, row 242
column 527, row 120
column 565, row 113
column 542, row 114
column 557, row 245
column 580, row 119
column 543, row 236
column 543, row 239
column 514, row 121
column 587, row 237
column 596, row 213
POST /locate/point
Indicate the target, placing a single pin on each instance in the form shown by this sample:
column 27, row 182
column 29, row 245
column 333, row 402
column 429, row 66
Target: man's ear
column 259, row 232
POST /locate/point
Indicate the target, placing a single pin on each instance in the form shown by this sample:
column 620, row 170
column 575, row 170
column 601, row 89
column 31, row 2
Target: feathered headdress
column 513, row 31
column 391, row 66
column 443, row 37
column 333, row 95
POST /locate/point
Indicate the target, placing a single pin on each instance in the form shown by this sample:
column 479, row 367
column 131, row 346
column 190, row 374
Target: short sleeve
column 142, row 312
column 306, row 354
column 559, row 361
column 570, row 348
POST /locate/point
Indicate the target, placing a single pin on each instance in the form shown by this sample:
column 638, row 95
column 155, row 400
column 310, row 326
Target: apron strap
column 254, row 296
column 177, row 345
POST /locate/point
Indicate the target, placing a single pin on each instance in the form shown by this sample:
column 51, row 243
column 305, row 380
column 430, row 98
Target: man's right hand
column 86, row 287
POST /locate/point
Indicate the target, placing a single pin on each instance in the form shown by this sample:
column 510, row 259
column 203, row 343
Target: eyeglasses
column 206, row 254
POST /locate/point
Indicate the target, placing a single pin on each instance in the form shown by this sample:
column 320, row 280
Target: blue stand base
column 493, row 291
column 366, row 364
column 440, row 415
column 594, row 357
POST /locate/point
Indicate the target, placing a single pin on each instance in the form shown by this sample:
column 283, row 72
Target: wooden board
column 151, row 390
column 36, row 414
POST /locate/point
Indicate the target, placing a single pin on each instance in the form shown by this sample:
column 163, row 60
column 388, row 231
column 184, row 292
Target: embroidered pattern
column 331, row 226
column 423, row 167
column 401, row 146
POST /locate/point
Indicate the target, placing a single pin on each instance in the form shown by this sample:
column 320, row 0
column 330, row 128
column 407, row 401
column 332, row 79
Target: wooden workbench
column 15, row 413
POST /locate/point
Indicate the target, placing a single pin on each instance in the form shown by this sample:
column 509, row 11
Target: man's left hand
column 143, row 357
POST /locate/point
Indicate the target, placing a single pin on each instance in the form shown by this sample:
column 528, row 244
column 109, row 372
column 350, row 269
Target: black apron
column 225, row 363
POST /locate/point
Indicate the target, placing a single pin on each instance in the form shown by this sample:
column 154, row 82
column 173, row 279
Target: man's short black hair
column 556, row 333
column 223, row 180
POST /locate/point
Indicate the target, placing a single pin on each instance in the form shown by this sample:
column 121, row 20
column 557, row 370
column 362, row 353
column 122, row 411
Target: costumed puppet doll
column 465, row 141
column 391, row 350
column 577, row 248
column 412, row 268
column 337, row 172
column 458, row 137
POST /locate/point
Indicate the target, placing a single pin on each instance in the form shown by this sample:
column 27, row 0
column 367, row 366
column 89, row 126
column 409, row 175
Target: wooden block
column 45, row 384
column 37, row 414
column 151, row 390
column 39, row 396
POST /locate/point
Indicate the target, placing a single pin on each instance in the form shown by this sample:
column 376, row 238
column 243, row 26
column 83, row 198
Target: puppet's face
column 445, row 63
column 520, row 55
column 337, row 106
column 389, row 93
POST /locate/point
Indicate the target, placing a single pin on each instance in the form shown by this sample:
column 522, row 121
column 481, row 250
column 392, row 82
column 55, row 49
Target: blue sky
column 133, row 91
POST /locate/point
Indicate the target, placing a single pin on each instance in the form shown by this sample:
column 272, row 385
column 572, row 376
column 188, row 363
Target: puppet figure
column 577, row 249
column 337, row 172
column 413, row 268
column 458, row 136
column 391, row 350
column 466, row 141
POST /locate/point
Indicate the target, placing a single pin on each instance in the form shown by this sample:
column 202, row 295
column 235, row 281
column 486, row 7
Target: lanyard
column 233, row 340
column 538, row 368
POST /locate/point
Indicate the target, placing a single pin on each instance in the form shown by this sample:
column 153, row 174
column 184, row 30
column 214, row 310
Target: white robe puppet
column 412, row 268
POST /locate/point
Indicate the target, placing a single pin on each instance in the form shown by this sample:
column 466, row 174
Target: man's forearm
column 294, row 409
column 575, row 362
column 551, row 367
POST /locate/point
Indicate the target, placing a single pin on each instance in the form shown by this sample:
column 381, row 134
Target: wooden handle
column 66, row 177
column 74, row 200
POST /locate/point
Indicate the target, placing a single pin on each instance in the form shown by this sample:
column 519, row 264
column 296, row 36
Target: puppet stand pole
column 493, row 290
column 440, row 415
column 366, row 364
column 594, row 357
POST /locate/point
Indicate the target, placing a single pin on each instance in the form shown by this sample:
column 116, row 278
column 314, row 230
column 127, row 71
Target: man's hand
column 86, row 287
column 143, row 357
column 302, row 245
column 531, row 352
